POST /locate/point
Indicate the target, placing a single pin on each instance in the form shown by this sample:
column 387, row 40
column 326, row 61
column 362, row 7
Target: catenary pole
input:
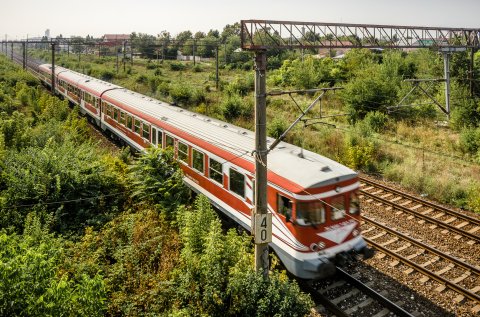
column 261, row 223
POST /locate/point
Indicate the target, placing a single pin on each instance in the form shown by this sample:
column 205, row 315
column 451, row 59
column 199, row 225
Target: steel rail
column 385, row 302
column 459, row 289
column 425, row 217
column 420, row 244
column 422, row 201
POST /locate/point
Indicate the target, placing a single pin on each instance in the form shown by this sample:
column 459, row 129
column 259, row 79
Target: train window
column 284, row 206
column 136, row 128
column 115, row 114
column 146, row 131
column 160, row 139
column 110, row 110
column 129, row 122
column 154, row 136
column 198, row 161
column 183, row 152
column 215, row 171
column 237, row 183
column 122, row 117
column 354, row 204
column 338, row 207
column 310, row 213
column 169, row 141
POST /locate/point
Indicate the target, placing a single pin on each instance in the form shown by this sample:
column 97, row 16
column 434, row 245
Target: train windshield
column 310, row 213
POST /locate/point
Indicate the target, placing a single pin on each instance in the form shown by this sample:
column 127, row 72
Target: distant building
column 115, row 39
column 333, row 52
column 47, row 33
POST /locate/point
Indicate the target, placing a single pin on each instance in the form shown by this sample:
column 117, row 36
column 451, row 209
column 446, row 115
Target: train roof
column 88, row 83
column 285, row 160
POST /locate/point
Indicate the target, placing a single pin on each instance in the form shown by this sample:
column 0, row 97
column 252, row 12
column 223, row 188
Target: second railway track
column 461, row 224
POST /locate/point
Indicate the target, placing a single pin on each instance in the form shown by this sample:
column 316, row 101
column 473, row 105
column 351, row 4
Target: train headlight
column 355, row 232
column 314, row 247
column 321, row 245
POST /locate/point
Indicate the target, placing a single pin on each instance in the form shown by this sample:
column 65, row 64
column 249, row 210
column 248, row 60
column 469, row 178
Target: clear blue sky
column 81, row 17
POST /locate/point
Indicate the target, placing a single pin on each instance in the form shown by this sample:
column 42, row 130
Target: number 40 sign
column 263, row 228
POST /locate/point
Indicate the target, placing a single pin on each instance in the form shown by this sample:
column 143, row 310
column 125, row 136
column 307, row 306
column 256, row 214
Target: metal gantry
column 267, row 34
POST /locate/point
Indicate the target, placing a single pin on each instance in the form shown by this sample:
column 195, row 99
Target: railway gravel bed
column 440, row 238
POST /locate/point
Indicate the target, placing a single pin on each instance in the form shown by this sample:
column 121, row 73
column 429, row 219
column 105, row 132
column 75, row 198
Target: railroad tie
column 406, row 246
column 462, row 277
column 414, row 255
column 461, row 225
column 441, row 288
column 343, row 297
column 384, row 244
column 382, row 313
column 445, row 269
column 450, row 220
column 377, row 192
column 473, row 230
column 476, row 309
column 429, row 210
column 424, row 279
column 406, row 202
column 416, row 207
column 386, row 196
column 409, row 271
column 368, row 230
column 395, row 199
column 381, row 234
column 368, row 188
column 425, row 264
column 332, row 286
column 438, row 215
column 353, row 309
column 475, row 289
column 459, row 299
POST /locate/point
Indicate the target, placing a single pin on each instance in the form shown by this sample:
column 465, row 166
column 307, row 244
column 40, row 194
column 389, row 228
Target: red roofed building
column 115, row 39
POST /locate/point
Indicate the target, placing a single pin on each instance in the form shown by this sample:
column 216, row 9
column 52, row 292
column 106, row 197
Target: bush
column 232, row 107
column 186, row 95
column 240, row 86
column 377, row 121
column 107, row 75
column 216, row 276
column 276, row 127
column 470, row 140
column 157, row 179
column 32, row 282
column 177, row 66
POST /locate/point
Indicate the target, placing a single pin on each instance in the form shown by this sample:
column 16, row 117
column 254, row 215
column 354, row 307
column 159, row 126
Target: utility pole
column 116, row 53
column 24, row 55
column 193, row 52
column 53, row 68
column 11, row 52
column 163, row 51
column 216, row 66
column 262, row 220
column 471, row 72
column 446, row 67
column 124, row 54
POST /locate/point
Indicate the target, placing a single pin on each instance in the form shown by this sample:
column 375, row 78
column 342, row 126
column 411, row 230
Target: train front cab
column 329, row 227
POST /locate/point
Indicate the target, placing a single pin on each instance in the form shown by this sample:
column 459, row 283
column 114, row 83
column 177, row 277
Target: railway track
column 345, row 295
column 448, row 271
column 462, row 225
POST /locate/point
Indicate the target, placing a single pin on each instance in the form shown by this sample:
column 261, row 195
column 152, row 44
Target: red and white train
column 313, row 200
